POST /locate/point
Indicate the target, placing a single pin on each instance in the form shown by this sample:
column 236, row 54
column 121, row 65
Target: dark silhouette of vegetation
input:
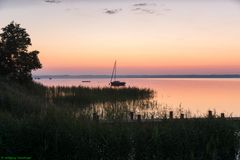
column 82, row 96
column 59, row 135
column 31, row 97
column 32, row 123
column 16, row 62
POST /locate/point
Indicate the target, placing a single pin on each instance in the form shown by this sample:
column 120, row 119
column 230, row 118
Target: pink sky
column 159, row 37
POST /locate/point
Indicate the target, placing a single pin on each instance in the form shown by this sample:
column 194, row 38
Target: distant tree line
column 16, row 62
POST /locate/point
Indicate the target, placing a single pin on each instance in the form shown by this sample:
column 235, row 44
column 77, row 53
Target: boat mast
column 114, row 72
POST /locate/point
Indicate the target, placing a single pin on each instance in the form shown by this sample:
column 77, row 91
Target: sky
column 144, row 36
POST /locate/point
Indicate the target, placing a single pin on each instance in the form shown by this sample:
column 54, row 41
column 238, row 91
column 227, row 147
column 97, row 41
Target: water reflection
column 196, row 95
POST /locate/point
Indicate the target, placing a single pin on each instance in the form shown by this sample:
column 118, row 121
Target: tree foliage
column 16, row 62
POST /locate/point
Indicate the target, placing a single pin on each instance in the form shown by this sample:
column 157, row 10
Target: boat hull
column 117, row 83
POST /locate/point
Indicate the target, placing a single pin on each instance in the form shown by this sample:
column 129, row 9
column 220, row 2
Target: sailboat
column 113, row 81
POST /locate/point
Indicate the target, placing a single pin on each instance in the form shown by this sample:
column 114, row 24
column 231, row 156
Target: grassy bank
column 61, row 136
column 50, row 123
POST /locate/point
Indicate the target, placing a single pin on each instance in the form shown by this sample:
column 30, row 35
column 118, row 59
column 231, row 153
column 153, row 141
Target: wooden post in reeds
column 171, row 115
column 210, row 115
column 152, row 116
column 131, row 115
column 222, row 115
column 165, row 116
column 139, row 118
column 95, row 117
column 181, row 116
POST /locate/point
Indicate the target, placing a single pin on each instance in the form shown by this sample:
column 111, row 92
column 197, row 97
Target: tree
column 15, row 61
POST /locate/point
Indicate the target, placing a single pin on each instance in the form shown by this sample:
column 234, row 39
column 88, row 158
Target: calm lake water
column 197, row 95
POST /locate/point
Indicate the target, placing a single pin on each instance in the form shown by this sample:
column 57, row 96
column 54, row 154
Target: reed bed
column 58, row 135
column 82, row 96
column 56, row 123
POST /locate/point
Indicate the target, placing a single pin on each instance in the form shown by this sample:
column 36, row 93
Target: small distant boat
column 113, row 81
column 86, row 81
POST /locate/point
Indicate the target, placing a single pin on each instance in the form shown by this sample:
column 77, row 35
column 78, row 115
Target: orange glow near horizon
column 141, row 59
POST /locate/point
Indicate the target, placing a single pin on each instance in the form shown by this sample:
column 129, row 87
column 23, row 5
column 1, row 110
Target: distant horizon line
column 70, row 76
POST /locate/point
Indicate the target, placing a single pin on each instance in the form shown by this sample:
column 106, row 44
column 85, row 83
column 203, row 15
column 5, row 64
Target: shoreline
column 212, row 76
